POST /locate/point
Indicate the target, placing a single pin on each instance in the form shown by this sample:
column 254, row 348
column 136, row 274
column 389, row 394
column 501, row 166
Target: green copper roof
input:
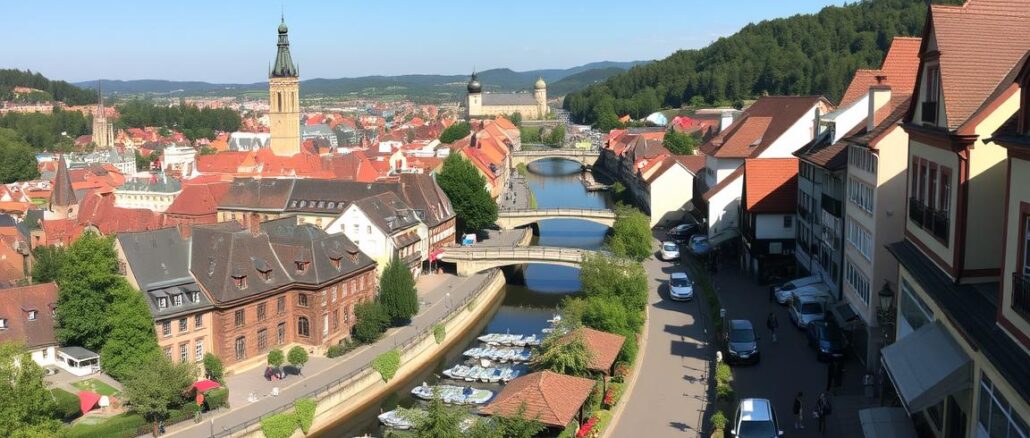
column 284, row 66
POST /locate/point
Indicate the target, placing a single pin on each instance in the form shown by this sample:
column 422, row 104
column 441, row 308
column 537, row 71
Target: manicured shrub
column 723, row 373
column 120, row 426
column 439, row 333
column 217, row 398
column 297, row 356
column 334, row 351
column 719, row 420
column 67, row 405
column 279, row 425
column 276, row 358
column 304, row 410
column 628, row 352
column 387, row 364
column 724, row 392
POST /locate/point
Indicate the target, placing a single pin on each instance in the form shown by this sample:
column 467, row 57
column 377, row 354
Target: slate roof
column 388, row 212
column 771, row 185
column 156, row 183
column 332, row 196
column 499, row 99
column 971, row 312
column 258, row 194
column 16, row 302
column 552, row 399
column 159, row 261
column 63, row 194
column 308, row 243
column 979, row 43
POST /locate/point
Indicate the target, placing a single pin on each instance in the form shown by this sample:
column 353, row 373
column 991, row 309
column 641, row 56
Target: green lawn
column 96, row 386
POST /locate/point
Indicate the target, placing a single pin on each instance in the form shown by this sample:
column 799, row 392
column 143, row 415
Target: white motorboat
column 451, row 394
column 400, row 418
column 457, row 372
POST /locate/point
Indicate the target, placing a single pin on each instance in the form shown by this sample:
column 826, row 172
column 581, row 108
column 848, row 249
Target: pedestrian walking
column 823, row 409
column 799, row 412
column 772, row 323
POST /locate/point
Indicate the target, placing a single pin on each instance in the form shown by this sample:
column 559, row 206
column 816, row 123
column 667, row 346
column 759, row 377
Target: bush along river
column 531, row 295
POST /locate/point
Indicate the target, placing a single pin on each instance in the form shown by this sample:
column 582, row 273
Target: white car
column 680, row 287
column 755, row 418
column 670, row 251
column 783, row 292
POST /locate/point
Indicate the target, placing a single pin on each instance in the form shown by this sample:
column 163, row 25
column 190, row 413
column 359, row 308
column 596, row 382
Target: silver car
column 680, row 287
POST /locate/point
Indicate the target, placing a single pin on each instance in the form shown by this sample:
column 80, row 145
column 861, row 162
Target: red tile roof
column 979, row 43
column 603, row 346
column 771, row 185
column 552, row 399
column 693, row 163
column 898, row 70
column 15, row 304
column 198, row 199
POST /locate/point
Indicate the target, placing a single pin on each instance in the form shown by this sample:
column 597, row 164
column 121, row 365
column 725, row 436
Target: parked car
column 699, row 245
column 682, row 231
column 755, row 418
column 828, row 340
column 807, row 306
column 783, row 292
column 681, row 288
column 741, row 342
column 670, row 251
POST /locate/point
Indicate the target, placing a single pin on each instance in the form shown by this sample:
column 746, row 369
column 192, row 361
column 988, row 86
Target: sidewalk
column 320, row 371
column 517, row 195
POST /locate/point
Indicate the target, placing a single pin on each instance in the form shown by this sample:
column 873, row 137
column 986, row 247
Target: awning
column 723, row 236
column 845, row 316
column 886, row 423
column 205, row 385
column 435, row 254
column 88, row 400
column 926, row 366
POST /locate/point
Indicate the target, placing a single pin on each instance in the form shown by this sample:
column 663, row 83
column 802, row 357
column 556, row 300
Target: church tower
column 284, row 102
column 62, row 197
column 540, row 96
column 474, row 105
column 103, row 131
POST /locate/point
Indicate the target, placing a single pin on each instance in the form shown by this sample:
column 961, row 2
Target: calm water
column 529, row 299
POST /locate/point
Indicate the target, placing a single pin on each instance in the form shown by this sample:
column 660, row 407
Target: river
column 528, row 302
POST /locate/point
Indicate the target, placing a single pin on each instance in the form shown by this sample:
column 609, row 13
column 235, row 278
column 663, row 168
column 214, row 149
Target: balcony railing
column 929, row 111
column 940, row 224
column 915, row 211
column 1021, row 295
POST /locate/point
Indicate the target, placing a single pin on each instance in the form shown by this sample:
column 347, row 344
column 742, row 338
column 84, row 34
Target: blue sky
column 234, row 40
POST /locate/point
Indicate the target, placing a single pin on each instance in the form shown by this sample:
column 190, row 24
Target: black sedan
column 827, row 339
column 682, row 232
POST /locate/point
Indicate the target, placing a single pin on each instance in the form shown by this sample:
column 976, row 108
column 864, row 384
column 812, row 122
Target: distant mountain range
column 560, row 82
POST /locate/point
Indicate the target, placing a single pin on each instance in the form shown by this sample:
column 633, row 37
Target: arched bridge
column 508, row 219
column 586, row 157
column 470, row 260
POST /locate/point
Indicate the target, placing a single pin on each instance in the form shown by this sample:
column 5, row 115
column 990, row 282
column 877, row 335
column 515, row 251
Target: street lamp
column 885, row 314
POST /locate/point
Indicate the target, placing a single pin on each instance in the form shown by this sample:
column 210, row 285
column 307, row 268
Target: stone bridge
column 586, row 157
column 470, row 260
column 509, row 219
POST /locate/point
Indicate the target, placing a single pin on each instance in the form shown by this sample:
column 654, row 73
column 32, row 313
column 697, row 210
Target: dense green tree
column 680, row 143
column 276, row 358
column 372, row 320
column 193, row 122
column 26, row 405
column 564, row 355
column 466, row 189
column 59, row 90
column 616, row 279
column 439, row 421
column 157, row 386
column 631, row 235
column 604, row 314
column 803, row 54
column 455, row 132
column 54, row 132
column 556, row 137
column 530, row 134
column 46, row 263
column 131, row 341
column 17, row 159
column 86, row 278
column 213, row 367
column 519, row 425
column 397, row 292
column 516, row 118
column 297, row 356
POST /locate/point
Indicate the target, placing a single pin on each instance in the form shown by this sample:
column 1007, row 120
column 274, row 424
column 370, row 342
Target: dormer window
column 336, row 262
column 930, row 106
column 177, row 300
column 195, row 297
column 239, row 278
column 162, row 303
column 264, row 269
column 32, row 315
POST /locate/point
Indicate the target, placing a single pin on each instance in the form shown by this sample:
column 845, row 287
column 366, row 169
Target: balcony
column 1021, row 295
column 929, row 112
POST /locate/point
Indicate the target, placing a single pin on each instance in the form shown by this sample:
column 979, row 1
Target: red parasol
column 88, row 400
column 205, row 385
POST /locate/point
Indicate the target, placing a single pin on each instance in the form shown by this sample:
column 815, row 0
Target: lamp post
column 885, row 313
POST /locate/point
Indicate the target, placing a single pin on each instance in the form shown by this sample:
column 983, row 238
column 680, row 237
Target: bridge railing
column 558, row 153
column 536, row 252
column 593, row 212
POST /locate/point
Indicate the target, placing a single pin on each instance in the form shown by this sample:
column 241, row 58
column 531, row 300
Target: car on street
column 699, row 245
column 755, row 418
column 783, row 292
column 681, row 288
column 741, row 342
column 670, row 251
column 808, row 307
column 828, row 340
column 682, row 232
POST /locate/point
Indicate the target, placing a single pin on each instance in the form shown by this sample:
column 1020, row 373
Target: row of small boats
column 509, row 339
column 500, row 354
column 485, row 374
column 452, row 394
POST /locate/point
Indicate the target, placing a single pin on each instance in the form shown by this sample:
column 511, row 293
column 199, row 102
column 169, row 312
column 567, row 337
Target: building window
column 280, row 335
column 913, row 312
column 858, row 281
column 177, row 299
column 860, row 194
column 863, row 158
column 859, row 238
column 325, row 297
column 240, row 318
column 184, row 352
column 930, row 102
column 195, row 297
column 336, row 319
column 198, row 350
column 303, row 327
column 198, row 321
column 357, row 229
column 184, row 324
column 346, row 314
column 368, row 229
column 166, row 328
column 261, row 311
column 241, row 282
column 302, row 300
column 241, row 348
column 167, row 352
column 996, row 418
column 262, row 336
column 162, row 303
column 334, row 294
column 788, row 221
column 32, row 315
column 3, row 324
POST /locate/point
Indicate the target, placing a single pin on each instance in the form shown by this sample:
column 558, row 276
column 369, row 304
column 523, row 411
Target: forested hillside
column 802, row 55
column 60, row 90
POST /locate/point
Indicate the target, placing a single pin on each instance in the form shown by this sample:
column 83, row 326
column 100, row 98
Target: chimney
column 254, row 224
column 818, row 119
column 879, row 96
column 725, row 120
